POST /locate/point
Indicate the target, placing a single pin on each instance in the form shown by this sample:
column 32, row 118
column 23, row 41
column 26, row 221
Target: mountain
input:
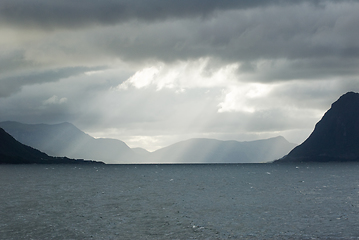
column 335, row 137
column 14, row 152
column 141, row 151
column 65, row 139
column 216, row 151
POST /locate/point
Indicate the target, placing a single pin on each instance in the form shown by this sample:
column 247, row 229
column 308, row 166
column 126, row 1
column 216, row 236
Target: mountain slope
column 65, row 139
column 216, row 151
column 14, row 152
column 336, row 135
column 141, row 151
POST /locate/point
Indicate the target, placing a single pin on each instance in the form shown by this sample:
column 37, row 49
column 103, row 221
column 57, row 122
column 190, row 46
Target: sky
column 152, row 73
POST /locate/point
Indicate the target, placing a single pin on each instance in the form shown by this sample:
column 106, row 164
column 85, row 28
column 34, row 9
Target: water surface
column 244, row 201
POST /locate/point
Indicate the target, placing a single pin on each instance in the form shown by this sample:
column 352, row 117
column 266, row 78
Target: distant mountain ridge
column 65, row 139
column 14, row 152
column 203, row 150
column 335, row 137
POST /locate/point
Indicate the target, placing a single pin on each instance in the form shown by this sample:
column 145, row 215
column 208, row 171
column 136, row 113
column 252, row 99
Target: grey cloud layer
column 289, row 32
column 278, row 42
column 67, row 13
column 10, row 85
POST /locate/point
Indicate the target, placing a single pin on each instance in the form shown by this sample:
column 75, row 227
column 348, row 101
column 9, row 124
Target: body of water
column 235, row 201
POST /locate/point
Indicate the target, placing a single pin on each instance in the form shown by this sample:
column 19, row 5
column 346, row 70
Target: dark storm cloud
column 276, row 44
column 272, row 40
column 10, row 85
column 309, row 69
column 68, row 13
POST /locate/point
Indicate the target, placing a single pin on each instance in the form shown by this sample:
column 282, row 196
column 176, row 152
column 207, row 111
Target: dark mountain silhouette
column 65, row 139
column 216, row 151
column 335, row 137
column 14, row 152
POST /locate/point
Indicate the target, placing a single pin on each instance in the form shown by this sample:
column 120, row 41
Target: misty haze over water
column 251, row 201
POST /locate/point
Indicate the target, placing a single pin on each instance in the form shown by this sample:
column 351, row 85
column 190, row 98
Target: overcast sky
column 153, row 72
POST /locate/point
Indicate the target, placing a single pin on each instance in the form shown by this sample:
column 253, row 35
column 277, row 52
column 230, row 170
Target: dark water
column 251, row 201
